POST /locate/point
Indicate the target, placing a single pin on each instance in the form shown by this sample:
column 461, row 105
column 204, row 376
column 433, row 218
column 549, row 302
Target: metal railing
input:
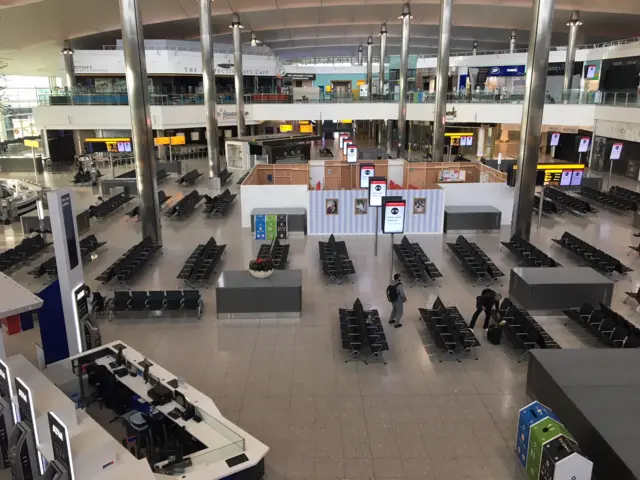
column 248, row 49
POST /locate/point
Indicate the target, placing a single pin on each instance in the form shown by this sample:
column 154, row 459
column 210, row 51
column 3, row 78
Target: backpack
column 392, row 293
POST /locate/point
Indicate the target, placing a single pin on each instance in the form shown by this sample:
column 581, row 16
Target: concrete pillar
column 475, row 47
column 442, row 77
column 405, row 18
column 44, row 141
column 481, row 142
column 512, row 41
column 238, row 81
column 573, row 24
column 360, row 55
column 162, row 149
column 383, row 56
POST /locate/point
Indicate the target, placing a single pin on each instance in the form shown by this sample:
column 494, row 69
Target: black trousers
column 477, row 313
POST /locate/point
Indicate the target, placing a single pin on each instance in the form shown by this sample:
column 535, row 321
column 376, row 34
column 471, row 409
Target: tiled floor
column 285, row 381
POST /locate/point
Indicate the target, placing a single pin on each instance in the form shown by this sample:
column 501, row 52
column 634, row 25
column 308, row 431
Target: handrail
column 248, row 49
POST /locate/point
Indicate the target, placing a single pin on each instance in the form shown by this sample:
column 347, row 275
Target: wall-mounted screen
column 345, row 145
column 584, row 145
column 591, row 71
column 555, row 139
column 565, row 179
column 366, row 172
column 576, row 179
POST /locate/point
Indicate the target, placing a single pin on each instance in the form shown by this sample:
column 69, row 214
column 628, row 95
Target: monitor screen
column 565, row 180
column 576, row 180
column 555, row 139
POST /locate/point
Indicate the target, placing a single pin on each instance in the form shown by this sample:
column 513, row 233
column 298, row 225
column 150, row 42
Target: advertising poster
column 272, row 227
column 352, row 154
column 555, row 139
column 584, row 145
column 70, row 231
column 360, row 206
column 331, row 206
column 393, row 218
column 260, row 227
column 616, row 151
column 366, row 172
column 377, row 190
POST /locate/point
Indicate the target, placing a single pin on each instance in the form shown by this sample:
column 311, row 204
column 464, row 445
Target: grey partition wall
column 239, row 294
column 471, row 217
column 558, row 288
column 30, row 221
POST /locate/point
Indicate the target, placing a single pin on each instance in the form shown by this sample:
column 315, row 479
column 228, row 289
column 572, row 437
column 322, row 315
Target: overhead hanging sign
column 506, row 71
column 352, row 154
column 366, row 172
column 393, row 213
column 178, row 140
column 377, row 190
column 616, row 151
column 584, row 145
column 32, row 143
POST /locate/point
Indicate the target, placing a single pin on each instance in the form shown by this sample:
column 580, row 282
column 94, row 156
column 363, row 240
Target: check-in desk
column 537, row 288
column 239, row 294
column 227, row 450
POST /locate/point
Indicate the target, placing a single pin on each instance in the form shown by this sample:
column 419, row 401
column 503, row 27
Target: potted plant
column 262, row 267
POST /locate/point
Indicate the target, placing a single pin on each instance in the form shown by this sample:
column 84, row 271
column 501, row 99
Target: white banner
column 162, row 62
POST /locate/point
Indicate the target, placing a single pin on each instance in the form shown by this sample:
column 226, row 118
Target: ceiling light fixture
column 67, row 51
column 235, row 22
column 406, row 11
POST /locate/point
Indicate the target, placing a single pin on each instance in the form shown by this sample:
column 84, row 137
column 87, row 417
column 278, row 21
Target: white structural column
column 209, row 87
column 383, row 55
column 573, row 24
column 238, row 79
column 475, row 47
column 360, row 55
column 44, row 141
column 512, row 41
column 162, row 149
column 405, row 18
column 142, row 134
column 531, row 126
column 369, row 67
column 442, row 80
column 70, row 77
column 481, row 141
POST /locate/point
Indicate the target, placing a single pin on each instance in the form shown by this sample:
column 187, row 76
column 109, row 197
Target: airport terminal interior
column 198, row 270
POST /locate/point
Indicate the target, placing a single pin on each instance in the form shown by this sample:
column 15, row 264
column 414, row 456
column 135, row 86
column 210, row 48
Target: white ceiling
column 32, row 31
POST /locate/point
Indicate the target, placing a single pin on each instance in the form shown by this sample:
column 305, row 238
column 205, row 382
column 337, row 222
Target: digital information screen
column 591, row 71
column 366, row 172
column 555, row 139
column 552, row 177
column 565, row 179
column 616, row 151
column 393, row 216
column 345, row 145
column 342, row 138
column 69, row 231
column 584, row 145
column 377, row 190
column 352, row 154
column 60, row 442
column 576, row 179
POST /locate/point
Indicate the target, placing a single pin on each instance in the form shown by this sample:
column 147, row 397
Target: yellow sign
column 304, row 122
column 180, row 140
column 286, row 128
column 98, row 140
column 32, row 143
column 361, row 82
column 306, row 128
column 346, row 121
column 161, row 141
column 456, row 134
column 327, row 88
column 558, row 166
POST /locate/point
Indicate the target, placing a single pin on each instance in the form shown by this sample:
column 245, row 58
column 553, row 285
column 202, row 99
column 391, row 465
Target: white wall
column 271, row 196
column 618, row 114
column 498, row 195
column 316, row 172
column 396, row 171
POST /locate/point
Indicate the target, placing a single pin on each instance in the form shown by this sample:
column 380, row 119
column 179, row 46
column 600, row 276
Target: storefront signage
column 377, row 190
column 616, row 151
column 352, row 154
column 584, row 145
column 506, row 71
column 393, row 214
column 286, row 128
column 366, row 172
column 557, row 68
column 301, row 76
column 618, row 130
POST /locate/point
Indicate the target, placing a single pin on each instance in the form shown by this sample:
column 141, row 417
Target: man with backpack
column 395, row 295
column 485, row 303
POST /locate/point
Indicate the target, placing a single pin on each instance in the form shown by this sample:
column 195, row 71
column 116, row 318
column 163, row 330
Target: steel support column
column 442, row 80
column 512, row 41
column 209, row 87
column 360, row 55
column 531, row 126
column 142, row 134
column 573, row 24
column 369, row 67
column 475, row 47
column 70, row 78
column 238, row 79
column 383, row 54
column 405, row 18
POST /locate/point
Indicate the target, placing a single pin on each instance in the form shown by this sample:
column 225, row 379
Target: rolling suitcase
column 494, row 334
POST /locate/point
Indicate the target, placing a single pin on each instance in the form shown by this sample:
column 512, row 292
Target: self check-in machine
column 91, row 337
column 7, row 420
column 23, row 455
column 61, row 467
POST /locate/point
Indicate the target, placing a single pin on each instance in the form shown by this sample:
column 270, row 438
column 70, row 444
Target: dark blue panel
column 52, row 328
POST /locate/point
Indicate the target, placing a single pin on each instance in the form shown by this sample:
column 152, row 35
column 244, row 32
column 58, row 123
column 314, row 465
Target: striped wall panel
column 347, row 222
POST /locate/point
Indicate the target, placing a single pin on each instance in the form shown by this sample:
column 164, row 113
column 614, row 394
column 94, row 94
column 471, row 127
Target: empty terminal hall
column 319, row 240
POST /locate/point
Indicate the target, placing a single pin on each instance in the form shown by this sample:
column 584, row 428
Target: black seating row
column 609, row 327
column 109, row 205
column 625, row 193
column 202, row 262
column 190, row 178
column 608, row 199
column 415, row 262
column 569, row 201
column 548, row 206
column 155, row 301
column 88, row 245
column 595, row 258
column 24, row 251
column 528, row 254
column 360, row 332
column 161, row 174
column 162, row 199
column 450, row 330
column 276, row 251
column 523, row 330
column 84, row 177
column 241, row 179
column 334, row 260
column 130, row 262
column 474, row 260
column 326, row 152
column 225, row 176
column 183, row 207
column 220, row 204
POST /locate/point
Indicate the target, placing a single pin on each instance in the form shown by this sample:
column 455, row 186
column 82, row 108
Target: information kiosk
column 7, row 415
column 23, row 453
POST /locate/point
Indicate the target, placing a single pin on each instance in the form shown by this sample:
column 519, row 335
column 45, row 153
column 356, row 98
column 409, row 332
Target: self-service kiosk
column 56, row 471
column 6, row 414
column 91, row 337
column 23, row 454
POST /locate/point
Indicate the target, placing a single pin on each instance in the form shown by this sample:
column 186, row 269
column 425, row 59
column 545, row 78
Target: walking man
column 485, row 303
column 397, row 297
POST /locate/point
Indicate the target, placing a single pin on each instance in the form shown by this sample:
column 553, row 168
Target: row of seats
column 523, row 330
column 202, row 262
column 361, row 333
column 548, row 207
column 24, row 251
column 326, row 152
column 334, row 259
column 161, row 174
column 190, row 178
column 48, row 267
column 276, row 251
column 185, row 206
column 242, row 178
column 625, row 193
column 450, row 330
column 88, row 245
column 568, row 201
column 476, row 262
column 595, row 258
column 85, row 177
column 608, row 199
column 528, row 254
column 415, row 261
column 609, row 327
column 225, row 176
column 162, row 199
column 130, row 262
column 155, row 301
column 109, row 205
column 220, row 204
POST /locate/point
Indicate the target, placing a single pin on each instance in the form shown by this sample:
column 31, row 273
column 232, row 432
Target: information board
column 260, row 226
column 352, row 154
column 282, row 227
column 69, row 231
column 342, row 138
column 616, row 151
column 393, row 214
column 555, row 139
column 366, row 172
column 377, row 190
column 345, row 145
column 584, row 145
column 576, row 178
column 272, row 227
